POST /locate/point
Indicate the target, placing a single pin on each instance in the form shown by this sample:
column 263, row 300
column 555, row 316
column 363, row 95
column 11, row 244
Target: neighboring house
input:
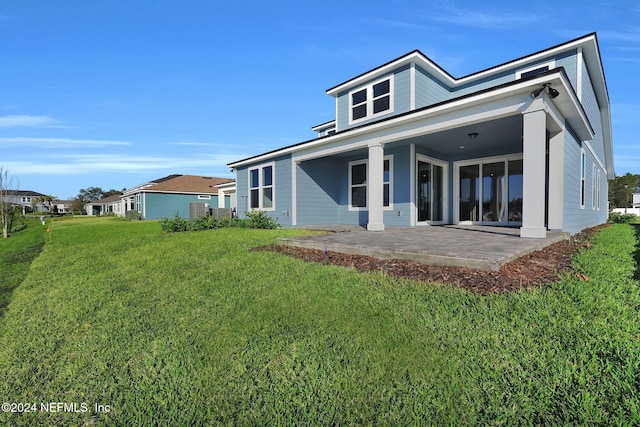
column 636, row 200
column 171, row 195
column 111, row 205
column 526, row 143
column 62, row 206
column 29, row 200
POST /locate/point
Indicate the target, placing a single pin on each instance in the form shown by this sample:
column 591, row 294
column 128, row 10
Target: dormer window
column 536, row 69
column 373, row 100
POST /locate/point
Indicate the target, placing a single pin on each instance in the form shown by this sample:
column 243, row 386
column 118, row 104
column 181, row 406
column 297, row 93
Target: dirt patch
column 535, row 269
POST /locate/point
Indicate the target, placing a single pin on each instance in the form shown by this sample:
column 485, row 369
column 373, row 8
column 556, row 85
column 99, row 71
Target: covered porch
column 482, row 159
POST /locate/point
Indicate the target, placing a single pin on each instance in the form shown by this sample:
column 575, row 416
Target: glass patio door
column 430, row 191
column 490, row 192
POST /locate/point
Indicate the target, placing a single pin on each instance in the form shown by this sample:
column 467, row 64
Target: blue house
column 171, row 195
column 524, row 144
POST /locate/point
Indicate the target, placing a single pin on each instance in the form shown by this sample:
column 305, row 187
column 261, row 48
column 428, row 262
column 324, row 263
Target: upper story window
column 371, row 101
column 261, row 191
column 536, row 69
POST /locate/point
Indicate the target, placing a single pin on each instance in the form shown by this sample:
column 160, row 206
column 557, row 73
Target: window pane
column 385, row 195
column 493, row 190
column 381, row 104
column 267, row 174
column 515, row 191
column 381, row 88
column 385, row 173
column 359, row 174
column 359, row 112
column 534, row 72
column 267, row 198
column 253, row 178
column 359, row 197
column 359, row 97
column 469, row 192
column 254, row 202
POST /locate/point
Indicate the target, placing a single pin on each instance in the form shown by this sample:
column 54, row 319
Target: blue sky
column 112, row 94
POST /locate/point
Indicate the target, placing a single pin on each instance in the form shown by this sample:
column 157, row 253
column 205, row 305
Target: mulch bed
column 534, row 269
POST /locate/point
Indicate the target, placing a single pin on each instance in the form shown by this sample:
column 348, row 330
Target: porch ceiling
column 504, row 134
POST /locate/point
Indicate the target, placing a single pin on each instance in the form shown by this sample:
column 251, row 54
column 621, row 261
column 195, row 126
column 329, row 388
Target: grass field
column 195, row 329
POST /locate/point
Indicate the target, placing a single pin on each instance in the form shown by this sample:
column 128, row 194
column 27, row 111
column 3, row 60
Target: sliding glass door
column 490, row 191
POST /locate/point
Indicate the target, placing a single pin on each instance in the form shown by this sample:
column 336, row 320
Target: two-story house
column 526, row 144
column 30, row 201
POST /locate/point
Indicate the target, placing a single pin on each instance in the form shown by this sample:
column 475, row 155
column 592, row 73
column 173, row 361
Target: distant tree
column 8, row 210
column 87, row 195
column 90, row 194
column 621, row 190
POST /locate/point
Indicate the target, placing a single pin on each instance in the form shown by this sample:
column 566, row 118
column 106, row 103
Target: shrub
column 259, row 219
column 619, row 218
column 174, row 225
column 255, row 219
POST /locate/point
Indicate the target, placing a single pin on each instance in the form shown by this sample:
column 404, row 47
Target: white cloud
column 23, row 120
column 57, row 142
column 495, row 19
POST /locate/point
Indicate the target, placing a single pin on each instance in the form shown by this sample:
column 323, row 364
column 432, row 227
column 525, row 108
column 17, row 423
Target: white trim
column 593, row 186
column 582, row 188
column 412, row 86
column 369, row 101
column 205, row 196
column 365, row 184
column 294, row 192
column 549, row 64
column 260, row 168
column 579, row 73
column 412, row 185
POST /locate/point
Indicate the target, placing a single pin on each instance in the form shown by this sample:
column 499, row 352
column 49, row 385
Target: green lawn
column 194, row 329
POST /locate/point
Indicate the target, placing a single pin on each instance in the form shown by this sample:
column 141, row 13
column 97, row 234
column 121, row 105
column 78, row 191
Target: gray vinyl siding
column 429, row 91
column 282, row 190
column 576, row 218
column 400, row 214
column 591, row 107
column 318, row 191
column 569, row 61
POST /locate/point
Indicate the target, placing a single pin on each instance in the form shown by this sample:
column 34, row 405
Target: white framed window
column 583, row 167
column 358, row 184
column 204, row 197
column 598, row 190
column 261, row 187
column 535, row 69
column 594, row 187
column 371, row 101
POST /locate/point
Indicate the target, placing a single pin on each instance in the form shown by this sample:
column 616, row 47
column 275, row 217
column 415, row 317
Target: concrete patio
column 479, row 247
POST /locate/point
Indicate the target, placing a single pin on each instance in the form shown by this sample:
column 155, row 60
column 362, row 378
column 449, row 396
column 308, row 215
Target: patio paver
column 479, row 247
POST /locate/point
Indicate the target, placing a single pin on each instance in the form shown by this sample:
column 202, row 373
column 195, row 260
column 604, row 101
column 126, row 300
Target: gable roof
column 187, row 184
column 587, row 46
column 23, row 193
column 105, row 201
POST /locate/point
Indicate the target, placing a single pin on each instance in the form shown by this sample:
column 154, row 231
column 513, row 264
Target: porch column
column 220, row 198
column 533, row 173
column 376, row 187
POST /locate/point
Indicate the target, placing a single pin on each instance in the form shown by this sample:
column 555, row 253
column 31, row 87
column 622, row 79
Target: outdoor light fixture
column 552, row 92
column 473, row 135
